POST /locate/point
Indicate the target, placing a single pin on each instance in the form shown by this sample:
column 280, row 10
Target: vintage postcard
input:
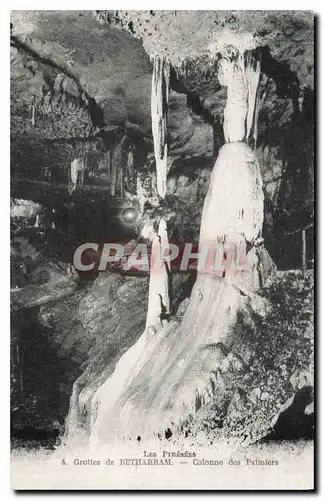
column 162, row 250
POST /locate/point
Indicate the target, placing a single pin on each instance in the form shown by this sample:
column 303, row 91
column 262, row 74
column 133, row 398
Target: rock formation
column 199, row 127
column 166, row 373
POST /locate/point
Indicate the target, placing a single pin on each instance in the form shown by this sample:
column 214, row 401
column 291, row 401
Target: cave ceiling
column 80, row 80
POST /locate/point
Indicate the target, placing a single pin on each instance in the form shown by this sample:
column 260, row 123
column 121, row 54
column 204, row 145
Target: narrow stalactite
column 76, row 174
column 121, row 181
column 118, row 157
column 140, row 193
column 117, row 169
column 108, row 165
column 37, row 222
column 159, row 111
column 33, row 115
column 113, row 173
column 252, row 76
column 130, row 164
column 73, row 175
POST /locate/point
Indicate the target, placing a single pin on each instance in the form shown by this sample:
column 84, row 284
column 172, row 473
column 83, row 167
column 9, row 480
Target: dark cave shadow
column 292, row 423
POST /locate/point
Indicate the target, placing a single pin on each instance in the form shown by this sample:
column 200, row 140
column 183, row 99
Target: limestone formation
column 76, row 176
column 167, row 126
column 175, row 365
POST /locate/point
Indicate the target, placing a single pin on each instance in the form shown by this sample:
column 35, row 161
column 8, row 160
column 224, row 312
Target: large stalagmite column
column 178, row 365
column 233, row 209
column 156, row 383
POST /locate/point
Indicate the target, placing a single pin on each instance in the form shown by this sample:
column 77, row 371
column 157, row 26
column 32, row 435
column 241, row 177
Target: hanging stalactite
column 33, row 113
column 159, row 109
column 130, row 163
column 117, row 169
column 76, row 174
column 252, row 76
column 121, row 181
column 37, row 222
column 235, row 111
column 108, row 165
column 113, row 173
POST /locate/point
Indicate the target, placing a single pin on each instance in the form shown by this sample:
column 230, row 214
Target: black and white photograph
column 162, row 224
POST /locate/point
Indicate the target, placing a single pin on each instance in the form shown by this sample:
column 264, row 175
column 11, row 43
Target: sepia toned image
column 162, row 250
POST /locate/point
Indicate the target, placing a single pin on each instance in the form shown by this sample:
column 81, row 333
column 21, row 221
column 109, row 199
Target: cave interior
column 83, row 169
